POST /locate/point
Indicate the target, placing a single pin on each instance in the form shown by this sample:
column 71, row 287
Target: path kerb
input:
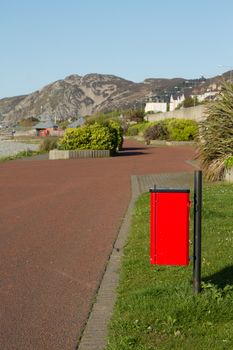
column 94, row 336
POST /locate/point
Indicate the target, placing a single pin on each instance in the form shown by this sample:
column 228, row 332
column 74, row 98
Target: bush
column 119, row 130
column 135, row 115
column 48, row 144
column 138, row 128
column 94, row 136
column 75, row 138
column 96, row 118
column 182, row 129
column 132, row 130
column 112, row 124
column 100, row 117
column 63, row 124
column 103, row 137
column 158, row 131
column 172, row 129
column 216, row 134
column 229, row 162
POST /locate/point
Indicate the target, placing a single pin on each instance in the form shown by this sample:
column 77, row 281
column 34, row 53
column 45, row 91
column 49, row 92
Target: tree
column 135, row 115
column 190, row 101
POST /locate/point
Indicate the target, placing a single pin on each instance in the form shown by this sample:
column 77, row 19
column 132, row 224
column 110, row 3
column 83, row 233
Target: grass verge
column 22, row 154
column 156, row 308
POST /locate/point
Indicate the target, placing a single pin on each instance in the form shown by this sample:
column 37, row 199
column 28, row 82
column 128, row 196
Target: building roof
column 45, row 125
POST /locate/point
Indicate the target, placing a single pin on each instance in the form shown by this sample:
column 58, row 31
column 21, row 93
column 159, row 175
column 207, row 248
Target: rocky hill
column 77, row 95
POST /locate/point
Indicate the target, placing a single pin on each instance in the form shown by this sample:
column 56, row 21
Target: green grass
column 156, row 307
column 22, row 154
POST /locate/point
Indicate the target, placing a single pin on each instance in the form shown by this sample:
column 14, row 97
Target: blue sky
column 46, row 40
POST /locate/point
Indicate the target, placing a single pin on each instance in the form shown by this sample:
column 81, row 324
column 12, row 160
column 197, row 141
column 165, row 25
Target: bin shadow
column 221, row 278
column 132, row 151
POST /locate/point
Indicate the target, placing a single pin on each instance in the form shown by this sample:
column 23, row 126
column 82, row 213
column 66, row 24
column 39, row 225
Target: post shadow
column 221, row 278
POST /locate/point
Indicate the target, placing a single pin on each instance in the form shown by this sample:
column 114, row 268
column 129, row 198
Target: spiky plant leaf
column 215, row 140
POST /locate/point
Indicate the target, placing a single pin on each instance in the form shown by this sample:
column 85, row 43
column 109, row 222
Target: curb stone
column 94, row 336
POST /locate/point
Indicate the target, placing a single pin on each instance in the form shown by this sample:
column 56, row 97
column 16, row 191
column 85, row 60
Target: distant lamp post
column 230, row 67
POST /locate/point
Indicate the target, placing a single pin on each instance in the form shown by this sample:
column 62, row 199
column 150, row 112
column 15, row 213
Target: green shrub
column 75, row 138
column 94, row 136
column 104, row 120
column 100, row 117
column 63, row 124
column 216, row 134
column 181, row 129
column 171, row 129
column 48, row 144
column 103, row 137
column 96, row 118
column 143, row 126
column 135, row 115
column 132, row 130
column 229, row 162
column 137, row 129
column 114, row 124
column 158, row 131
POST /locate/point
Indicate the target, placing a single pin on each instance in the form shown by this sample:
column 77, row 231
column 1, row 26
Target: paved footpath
column 58, row 223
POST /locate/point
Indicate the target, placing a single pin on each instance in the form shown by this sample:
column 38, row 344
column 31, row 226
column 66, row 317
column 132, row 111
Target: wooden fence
column 59, row 154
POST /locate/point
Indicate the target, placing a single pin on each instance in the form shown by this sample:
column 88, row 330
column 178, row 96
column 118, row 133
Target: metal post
column 197, row 232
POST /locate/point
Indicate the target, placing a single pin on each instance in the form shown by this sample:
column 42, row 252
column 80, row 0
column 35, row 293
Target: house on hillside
column 175, row 101
column 164, row 103
column 156, row 107
column 47, row 128
column 156, row 104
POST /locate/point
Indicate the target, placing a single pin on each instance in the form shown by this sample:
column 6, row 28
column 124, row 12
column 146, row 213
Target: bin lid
column 169, row 190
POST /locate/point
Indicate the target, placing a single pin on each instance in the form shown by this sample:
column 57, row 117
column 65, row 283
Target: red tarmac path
column 58, row 223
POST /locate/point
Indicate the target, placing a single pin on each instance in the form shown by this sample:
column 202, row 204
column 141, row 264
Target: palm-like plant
column 216, row 134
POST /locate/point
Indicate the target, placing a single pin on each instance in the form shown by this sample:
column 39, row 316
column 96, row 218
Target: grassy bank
column 19, row 155
column 156, row 308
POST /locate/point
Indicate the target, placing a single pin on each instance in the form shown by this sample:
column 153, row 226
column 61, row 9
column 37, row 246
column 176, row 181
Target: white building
column 175, row 101
column 206, row 96
column 156, row 107
column 164, row 106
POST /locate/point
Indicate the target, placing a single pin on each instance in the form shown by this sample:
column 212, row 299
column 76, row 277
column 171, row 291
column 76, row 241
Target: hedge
column 95, row 137
column 172, row 130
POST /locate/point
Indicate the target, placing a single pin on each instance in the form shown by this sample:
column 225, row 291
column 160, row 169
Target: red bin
column 169, row 226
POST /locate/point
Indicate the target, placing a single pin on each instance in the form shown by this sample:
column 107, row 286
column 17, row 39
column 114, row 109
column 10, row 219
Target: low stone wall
column 194, row 113
column 11, row 148
column 229, row 175
column 58, row 154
